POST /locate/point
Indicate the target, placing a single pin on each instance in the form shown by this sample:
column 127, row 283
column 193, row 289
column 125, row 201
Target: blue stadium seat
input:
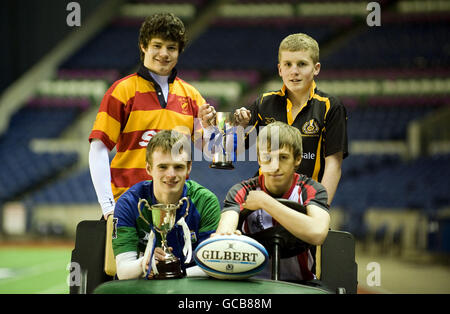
column 20, row 168
column 394, row 46
column 114, row 48
column 419, row 184
column 238, row 46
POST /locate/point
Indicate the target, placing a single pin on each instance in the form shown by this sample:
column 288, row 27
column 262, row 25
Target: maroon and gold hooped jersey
column 131, row 112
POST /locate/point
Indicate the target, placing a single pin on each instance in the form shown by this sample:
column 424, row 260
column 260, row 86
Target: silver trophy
column 163, row 218
column 222, row 159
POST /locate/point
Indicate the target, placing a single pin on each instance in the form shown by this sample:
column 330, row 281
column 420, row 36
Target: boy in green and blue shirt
column 169, row 185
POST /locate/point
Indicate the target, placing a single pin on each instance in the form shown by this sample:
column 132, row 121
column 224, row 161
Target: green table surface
column 203, row 285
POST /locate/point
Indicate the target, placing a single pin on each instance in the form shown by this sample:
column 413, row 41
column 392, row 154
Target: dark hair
column 165, row 26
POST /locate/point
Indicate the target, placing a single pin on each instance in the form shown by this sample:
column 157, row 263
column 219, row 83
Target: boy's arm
column 125, row 240
column 101, row 176
column 229, row 217
column 336, row 147
column 209, row 216
column 332, row 174
column 228, row 222
column 129, row 266
column 311, row 228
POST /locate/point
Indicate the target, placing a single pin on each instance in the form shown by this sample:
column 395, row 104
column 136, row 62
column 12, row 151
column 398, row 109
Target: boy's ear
column 316, row 69
column 298, row 160
column 148, row 168
column 189, row 167
column 143, row 49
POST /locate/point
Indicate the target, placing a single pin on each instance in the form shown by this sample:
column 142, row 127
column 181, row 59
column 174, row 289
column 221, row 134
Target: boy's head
column 279, row 155
column 161, row 40
column 165, row 26
column 298, row 64
column 168, row 161
column 300, row 42
column 279, row 135
column 169, row 141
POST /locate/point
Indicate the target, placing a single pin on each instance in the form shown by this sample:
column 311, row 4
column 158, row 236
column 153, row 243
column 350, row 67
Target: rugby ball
column 231, row 256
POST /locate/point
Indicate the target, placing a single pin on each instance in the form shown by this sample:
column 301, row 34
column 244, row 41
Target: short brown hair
column 165, row 26
column 300, row 42
column 288, row 136
column 166, row 140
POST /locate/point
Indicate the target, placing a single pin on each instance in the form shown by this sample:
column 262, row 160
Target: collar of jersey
column 144, row 72
column 290, row 118
column 285, row 195
column 180, row 211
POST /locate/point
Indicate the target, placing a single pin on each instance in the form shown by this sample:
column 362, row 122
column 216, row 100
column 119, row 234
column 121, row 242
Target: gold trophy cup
column 163, row 217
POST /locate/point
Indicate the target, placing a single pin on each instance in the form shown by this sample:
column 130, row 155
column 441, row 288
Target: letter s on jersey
column 146, row 137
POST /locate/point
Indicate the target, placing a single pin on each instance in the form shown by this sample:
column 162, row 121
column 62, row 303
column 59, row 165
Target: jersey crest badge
column 310, row 127
column 269, row 120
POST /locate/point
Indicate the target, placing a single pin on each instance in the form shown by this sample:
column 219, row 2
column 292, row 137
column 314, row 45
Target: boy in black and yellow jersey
column 321, row 118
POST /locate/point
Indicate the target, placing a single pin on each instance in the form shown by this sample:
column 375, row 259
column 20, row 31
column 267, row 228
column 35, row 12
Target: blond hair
column 286, row 135
column 300, row 42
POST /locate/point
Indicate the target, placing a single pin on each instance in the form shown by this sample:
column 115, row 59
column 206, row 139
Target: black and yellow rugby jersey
column 322, row 120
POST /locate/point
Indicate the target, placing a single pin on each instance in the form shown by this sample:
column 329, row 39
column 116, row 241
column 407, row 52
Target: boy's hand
column 255, row 200
column 160, row 255
column 207, row 114
column 235, row 232
column 242, row 116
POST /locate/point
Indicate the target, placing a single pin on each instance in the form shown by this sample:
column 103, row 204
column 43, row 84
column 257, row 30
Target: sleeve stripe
column 103, row 137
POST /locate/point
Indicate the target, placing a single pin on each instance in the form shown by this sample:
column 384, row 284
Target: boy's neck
column 279, row 191
column 164, row 198
column 298, row 99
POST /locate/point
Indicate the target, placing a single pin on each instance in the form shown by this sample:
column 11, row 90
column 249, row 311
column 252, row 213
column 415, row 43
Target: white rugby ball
column 231, row 256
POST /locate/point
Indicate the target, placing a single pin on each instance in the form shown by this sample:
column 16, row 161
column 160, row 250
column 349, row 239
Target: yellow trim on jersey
column 315, row 174
column 280, row 93
column 290, row 117
column 326, row 100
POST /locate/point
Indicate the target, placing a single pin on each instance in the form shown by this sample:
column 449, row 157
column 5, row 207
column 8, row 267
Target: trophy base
column 222, row 165
column 169, row 269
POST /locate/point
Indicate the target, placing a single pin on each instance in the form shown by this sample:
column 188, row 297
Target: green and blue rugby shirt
column 131, row 232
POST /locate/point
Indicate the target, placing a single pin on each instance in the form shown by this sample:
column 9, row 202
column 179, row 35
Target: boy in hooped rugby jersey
column 278, row 179
column 138, row 106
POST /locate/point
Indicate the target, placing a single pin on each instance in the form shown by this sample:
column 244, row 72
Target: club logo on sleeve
column 193, row 236
column 114, row 233
column 310, row 127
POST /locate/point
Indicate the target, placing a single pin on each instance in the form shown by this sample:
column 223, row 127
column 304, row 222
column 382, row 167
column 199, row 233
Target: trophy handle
column 180, row 203
column 143, row 200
